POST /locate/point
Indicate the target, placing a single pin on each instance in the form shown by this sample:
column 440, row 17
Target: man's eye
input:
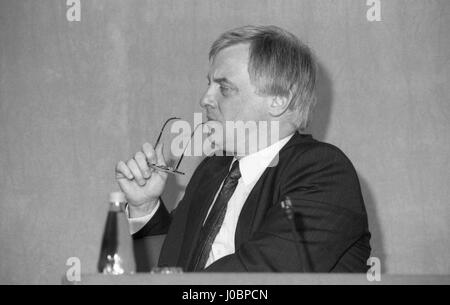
column 224, row 90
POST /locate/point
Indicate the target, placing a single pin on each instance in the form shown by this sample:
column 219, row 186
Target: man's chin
column 210, row 119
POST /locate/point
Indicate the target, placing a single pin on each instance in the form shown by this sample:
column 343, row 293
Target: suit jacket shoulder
column 308, row 164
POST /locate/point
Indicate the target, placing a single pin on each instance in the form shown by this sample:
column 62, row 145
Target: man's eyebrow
column 223, row 80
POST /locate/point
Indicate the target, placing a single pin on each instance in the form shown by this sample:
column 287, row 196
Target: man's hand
column 141, row 184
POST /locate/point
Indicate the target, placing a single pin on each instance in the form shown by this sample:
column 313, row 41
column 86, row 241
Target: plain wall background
column 77, row 97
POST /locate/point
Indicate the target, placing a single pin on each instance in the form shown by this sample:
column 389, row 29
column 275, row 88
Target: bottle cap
column 117, row 197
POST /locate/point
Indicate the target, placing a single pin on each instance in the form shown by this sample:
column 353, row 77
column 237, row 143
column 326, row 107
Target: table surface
column 257, row 279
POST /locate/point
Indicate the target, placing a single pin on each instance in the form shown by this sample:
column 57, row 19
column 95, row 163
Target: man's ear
column 278, row 105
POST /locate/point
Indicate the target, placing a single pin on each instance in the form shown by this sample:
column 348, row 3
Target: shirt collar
column 252, row 166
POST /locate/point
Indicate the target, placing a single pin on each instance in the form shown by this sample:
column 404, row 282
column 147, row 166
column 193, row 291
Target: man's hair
column 279, row 65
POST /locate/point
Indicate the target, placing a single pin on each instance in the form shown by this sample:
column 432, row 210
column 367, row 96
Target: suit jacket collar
column 298, row 139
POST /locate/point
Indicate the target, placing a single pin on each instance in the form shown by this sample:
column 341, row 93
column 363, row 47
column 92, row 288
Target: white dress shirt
column 251, row 167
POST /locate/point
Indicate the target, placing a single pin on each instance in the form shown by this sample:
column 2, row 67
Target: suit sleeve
column 330, row 218
column 157, row 225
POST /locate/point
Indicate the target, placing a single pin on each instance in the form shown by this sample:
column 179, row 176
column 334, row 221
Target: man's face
column 230, row 95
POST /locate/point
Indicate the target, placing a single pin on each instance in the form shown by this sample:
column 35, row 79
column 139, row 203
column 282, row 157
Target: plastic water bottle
column 116, row 253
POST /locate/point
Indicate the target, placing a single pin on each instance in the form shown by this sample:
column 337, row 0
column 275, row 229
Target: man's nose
column 207, row 100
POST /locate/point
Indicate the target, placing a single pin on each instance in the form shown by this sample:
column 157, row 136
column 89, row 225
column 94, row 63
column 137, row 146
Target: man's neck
column 263, row 139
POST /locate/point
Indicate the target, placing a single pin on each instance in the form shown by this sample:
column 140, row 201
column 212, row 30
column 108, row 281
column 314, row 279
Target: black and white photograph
column 225, row 147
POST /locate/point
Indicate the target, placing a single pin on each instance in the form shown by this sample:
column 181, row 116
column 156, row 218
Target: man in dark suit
column 230, row 218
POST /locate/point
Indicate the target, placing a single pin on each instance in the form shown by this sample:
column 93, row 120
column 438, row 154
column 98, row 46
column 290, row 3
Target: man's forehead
column 229, row 62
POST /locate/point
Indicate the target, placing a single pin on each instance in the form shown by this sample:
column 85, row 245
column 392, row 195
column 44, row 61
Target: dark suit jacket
column 325, row 191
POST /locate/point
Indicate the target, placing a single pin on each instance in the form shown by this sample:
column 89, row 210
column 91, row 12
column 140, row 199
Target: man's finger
column 141, row 161
column 122, row 171
column 134, row 168
column 149, row 152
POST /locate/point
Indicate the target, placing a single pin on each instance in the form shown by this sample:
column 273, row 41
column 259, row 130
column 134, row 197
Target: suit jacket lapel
column 205, row 193
column 248, row 213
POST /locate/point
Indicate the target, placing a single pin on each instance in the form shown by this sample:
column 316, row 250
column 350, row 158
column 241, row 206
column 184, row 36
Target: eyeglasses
column 169, row 169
